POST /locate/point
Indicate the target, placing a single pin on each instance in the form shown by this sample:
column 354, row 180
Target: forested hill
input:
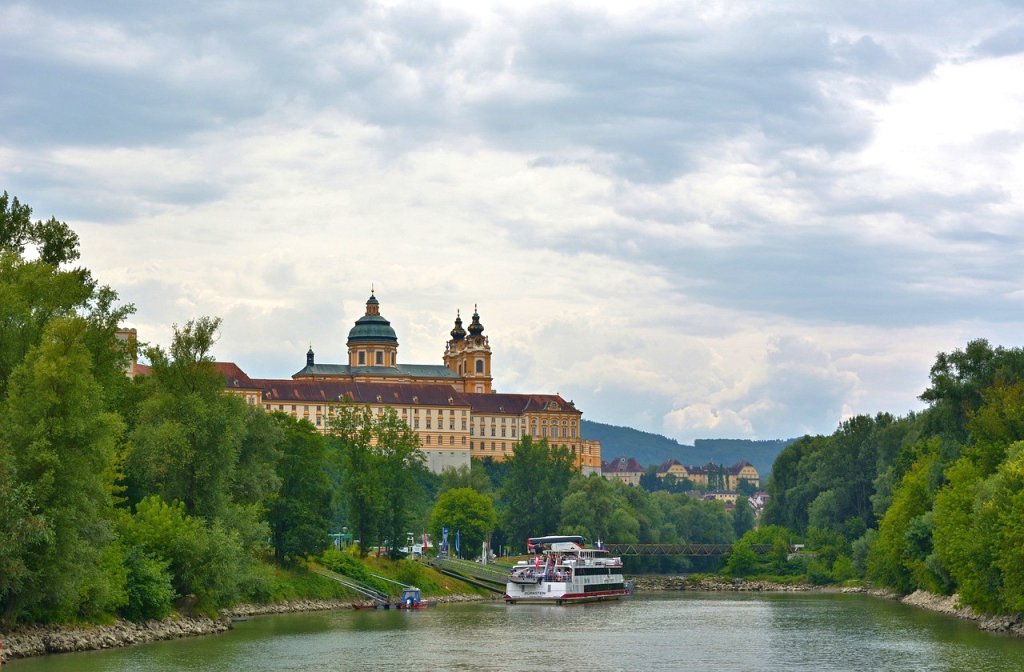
column 650, row 448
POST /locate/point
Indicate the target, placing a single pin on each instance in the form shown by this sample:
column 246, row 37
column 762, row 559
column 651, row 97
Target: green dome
column 372, row 329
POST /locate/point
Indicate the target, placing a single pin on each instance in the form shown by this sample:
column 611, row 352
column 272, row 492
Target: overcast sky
column 704, row 219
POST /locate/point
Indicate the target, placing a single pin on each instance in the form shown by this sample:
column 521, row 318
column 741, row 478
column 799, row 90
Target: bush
column 149, row 590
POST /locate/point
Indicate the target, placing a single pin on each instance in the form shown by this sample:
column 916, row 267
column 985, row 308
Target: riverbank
column 40, row 640
column 950, row 606
column 942, row 604
column 718, row 584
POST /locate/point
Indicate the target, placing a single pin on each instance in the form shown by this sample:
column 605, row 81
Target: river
column 679, row 631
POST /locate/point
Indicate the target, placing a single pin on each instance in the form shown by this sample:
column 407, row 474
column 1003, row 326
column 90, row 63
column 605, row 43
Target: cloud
column 737, row 218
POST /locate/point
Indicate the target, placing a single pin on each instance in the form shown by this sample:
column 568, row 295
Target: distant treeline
column 649, row 448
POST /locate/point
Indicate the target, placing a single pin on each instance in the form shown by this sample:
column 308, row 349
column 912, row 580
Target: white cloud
column 700, row 218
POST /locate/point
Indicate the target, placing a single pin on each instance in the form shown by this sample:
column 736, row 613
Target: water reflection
column 678, row 631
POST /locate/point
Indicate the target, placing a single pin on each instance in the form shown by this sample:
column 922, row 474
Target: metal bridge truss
column 677, row 550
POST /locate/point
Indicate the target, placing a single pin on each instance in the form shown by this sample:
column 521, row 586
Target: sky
column 703, row 219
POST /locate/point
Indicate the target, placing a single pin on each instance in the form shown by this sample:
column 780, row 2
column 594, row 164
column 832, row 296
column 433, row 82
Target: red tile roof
column 516, row 404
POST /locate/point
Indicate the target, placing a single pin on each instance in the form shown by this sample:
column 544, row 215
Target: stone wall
column 40, row 640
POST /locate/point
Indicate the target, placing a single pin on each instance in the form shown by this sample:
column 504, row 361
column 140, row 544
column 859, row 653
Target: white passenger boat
column 563, row 571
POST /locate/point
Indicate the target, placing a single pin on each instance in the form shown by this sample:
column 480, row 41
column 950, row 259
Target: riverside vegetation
column 140, row 498
column 926, row 502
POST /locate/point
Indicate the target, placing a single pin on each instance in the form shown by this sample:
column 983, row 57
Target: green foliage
column 346, row 564
column 474, row 476
column 467, row 511
column 742, row 517
column 206, row 560
column 380, row 461
column 301, row 511
column 149, row 590
column 979, row 535
column 59, row 443
column 896, row 559
column 744, row 561
column 188, row 440
column 538, row 477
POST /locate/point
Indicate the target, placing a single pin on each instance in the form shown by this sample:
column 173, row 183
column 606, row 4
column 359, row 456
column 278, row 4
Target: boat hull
column 567, row 598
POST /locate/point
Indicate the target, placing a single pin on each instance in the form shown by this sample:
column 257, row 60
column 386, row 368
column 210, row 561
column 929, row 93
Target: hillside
column 649, row 448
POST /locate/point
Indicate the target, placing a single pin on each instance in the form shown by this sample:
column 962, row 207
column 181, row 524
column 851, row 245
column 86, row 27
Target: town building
column 452, row 406
column 625, row 469
column 724, row 478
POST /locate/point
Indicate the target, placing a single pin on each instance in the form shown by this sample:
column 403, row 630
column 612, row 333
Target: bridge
column 679, row 550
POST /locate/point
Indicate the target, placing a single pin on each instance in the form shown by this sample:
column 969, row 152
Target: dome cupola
column 475, row 328
column 372, row 327
column 458, row 333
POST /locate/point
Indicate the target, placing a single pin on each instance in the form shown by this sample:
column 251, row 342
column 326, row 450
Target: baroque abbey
column 451, row 406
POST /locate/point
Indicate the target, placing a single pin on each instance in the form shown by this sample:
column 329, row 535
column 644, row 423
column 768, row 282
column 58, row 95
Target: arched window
column 380, row 358
column 362, row 358
column 479, row 366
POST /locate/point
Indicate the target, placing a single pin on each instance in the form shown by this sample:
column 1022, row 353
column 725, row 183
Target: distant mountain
column 650, row 448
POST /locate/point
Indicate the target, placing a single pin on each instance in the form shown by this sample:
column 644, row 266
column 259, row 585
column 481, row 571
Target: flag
column 529, row 545
column 456, row 542
column 444, row 539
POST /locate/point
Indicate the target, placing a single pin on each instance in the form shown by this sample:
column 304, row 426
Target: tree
column 60, row 443
column 742, row 517
column 399, row 458
column 301, row 511
column 54, row 240
column 466, row 511
column 473, row 476
column 360, row 468
column 189, row 436
column 538, row 478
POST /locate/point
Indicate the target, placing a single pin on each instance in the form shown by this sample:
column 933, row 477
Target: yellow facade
column 452, row 407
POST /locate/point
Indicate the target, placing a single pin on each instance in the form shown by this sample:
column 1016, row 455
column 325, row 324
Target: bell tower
column 469, row 355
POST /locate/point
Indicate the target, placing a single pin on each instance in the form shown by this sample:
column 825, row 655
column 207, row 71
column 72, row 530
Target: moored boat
column 564, row 571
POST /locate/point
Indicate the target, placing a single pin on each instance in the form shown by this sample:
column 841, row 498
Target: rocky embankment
column 950, row 605
column 714, row 584
column 43, row 639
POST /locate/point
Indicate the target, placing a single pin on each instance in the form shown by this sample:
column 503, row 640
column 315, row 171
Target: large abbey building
column 452, row 406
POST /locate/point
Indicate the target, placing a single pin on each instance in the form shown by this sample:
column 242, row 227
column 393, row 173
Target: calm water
column 676, row 632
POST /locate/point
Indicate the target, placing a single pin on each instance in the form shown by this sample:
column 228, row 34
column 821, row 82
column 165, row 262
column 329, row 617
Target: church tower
column 469, row 355
column 372, row 342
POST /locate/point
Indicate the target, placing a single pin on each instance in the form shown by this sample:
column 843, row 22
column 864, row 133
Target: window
column 317, row 409
column 463, row 440
column 416, row 423
column 362, row 358
column 428, row 423
column 380, row 358
column 463, row 425
column 393, row 359
column 574, row 432
column 451, row 440
column 293, row 407
column 306, row 409
column 503, row 431
column 513, row 432
column 479, row 366
column 492, row 445
column 472, row 431
column 492, row 431
column 563, row 432
column 428, row 439
column 318, row 420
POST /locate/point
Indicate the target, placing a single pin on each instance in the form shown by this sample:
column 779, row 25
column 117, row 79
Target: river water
column 681, row 631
